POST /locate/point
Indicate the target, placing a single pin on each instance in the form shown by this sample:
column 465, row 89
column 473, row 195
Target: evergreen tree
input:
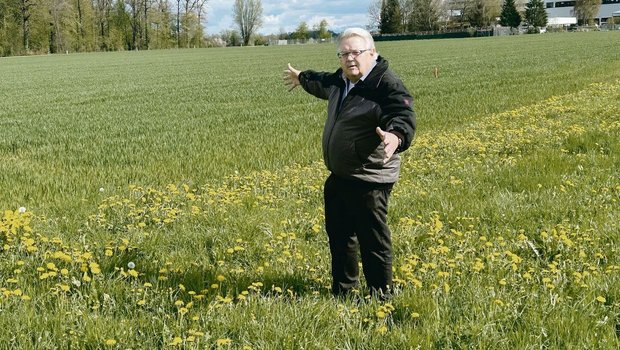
column 391, row 21
column 535, row 14
column 510, row 17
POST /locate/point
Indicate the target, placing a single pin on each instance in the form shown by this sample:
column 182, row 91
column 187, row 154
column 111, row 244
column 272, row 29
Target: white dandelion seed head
column 101, row 189
column 22, row 209
column 131, row 265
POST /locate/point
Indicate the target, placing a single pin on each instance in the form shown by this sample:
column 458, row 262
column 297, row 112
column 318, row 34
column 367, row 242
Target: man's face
column 354, row 67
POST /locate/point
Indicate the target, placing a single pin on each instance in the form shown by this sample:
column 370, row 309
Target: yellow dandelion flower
column 110, row 342
column 415, row 315
column 221, row 278
column 133, row 273
column 94, row 268
column 382, row 330
column 223, row 341
column 176, row 341
column 601, row 299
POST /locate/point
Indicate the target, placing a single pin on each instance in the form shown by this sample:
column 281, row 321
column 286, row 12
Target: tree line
column 40, row 26
column 58, row 26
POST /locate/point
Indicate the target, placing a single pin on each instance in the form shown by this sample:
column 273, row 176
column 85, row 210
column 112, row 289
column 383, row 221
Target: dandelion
column 223, row 341
column 22, row 210
column 131, row 265
column 110, row 342
column 601, row 299
column 176, row 341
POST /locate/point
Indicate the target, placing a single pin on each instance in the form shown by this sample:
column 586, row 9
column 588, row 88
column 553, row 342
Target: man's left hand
column 390, row 142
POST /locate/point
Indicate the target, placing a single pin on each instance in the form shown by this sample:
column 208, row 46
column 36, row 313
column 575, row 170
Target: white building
column 562, row 12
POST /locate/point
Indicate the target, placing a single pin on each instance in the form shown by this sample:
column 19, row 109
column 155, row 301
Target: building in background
column 561, row 13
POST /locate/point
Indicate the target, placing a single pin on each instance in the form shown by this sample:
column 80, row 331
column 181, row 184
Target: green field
column 174, row 199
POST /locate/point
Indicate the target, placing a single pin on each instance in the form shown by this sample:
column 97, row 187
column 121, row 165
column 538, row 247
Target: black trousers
column 356, row 217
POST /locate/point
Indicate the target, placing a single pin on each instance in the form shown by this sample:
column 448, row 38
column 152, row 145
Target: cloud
column 279, row 15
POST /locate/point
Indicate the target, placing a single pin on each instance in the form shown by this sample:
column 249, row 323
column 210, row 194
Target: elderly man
column 370, row 120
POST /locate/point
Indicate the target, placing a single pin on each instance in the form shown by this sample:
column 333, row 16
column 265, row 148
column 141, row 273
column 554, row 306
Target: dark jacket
column 351, row 147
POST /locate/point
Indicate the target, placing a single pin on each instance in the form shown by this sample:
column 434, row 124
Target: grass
column 174, row 199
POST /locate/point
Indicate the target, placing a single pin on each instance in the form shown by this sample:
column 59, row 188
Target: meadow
column 173, row 199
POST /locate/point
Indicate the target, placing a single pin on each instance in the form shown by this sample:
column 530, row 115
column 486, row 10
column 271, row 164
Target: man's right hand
column 291, row 77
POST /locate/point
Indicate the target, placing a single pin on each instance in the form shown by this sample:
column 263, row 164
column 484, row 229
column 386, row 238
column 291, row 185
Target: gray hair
column 357, row 32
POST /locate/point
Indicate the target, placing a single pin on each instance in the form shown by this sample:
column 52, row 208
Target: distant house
column 561, row 13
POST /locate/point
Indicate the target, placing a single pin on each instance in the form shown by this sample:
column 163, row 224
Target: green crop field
column 173, row 199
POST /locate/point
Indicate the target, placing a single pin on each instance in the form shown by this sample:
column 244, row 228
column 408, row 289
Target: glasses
column 353, row 53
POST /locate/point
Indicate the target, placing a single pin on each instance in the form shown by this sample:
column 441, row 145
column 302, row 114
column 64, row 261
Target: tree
column 25, row 6
column 102, row 9
column 248, row 15
column 231, row 37
column 535, row 14
column 424, row 16
column 374, row 14
column 162, row 26
column 391, row 21
column 406, row 12
column 481, row 13
column 323, row 31
column 585, row 10
column 302, row 32
column 510, row 17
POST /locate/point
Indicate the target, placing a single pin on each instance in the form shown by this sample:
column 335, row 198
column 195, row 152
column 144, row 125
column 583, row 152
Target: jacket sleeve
column 316, row 83
column 398, row 115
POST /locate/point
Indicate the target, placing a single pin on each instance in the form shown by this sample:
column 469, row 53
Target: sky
column 286, row 15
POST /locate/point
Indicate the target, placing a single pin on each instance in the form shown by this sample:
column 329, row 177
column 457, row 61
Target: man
column 370, row 120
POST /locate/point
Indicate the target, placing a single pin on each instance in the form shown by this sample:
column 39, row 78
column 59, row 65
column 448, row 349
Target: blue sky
column 286, row 15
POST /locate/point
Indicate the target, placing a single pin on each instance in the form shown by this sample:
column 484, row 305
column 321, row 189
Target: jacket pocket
column 369, row 151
